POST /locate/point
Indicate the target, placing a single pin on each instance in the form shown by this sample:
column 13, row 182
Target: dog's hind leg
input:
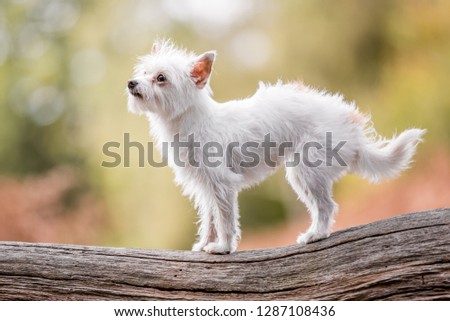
column 314, row 188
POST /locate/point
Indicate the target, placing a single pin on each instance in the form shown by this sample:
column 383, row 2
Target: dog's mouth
column 136, row 94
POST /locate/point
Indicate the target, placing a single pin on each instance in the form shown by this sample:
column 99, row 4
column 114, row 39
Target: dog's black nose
column 132, row 84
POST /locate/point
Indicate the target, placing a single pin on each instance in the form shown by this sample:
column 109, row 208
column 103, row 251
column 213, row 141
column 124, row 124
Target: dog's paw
column 197, row 247
column 218, row 248
column 309, row 237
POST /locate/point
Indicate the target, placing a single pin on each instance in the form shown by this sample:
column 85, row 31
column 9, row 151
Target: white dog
column 284, row 124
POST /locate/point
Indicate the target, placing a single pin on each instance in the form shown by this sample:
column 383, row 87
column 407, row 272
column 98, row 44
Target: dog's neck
column 185, row 123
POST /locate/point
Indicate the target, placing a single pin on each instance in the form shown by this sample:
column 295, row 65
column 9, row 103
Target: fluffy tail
column 384, row 159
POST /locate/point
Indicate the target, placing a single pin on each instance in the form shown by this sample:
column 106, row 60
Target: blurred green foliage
column 64, row 65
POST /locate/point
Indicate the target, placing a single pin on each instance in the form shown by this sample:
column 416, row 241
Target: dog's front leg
column 206, row 231
column 225, row 215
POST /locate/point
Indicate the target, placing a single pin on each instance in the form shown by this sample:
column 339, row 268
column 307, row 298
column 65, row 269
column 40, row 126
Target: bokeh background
column 63, row 70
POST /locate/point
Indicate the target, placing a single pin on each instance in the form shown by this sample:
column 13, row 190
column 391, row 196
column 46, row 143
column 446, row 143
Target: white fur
column 289, row 112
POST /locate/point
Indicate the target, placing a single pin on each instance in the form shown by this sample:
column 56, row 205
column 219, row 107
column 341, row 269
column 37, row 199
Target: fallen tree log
column 402, row 258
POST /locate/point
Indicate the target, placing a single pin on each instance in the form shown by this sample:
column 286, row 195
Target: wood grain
column 402, row 258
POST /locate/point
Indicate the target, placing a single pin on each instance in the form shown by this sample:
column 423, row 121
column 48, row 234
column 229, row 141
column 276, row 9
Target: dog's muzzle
column 132, row 84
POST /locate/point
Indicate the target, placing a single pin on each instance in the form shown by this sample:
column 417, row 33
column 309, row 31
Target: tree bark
column 402, row 258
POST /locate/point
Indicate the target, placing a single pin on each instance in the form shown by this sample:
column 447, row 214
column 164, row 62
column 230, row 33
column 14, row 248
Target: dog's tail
column 383, row 159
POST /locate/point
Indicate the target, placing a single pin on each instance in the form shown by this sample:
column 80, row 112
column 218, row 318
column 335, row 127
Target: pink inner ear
column 201, row 71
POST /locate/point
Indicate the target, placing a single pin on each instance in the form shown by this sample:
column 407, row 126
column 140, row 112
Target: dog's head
column 169, row 80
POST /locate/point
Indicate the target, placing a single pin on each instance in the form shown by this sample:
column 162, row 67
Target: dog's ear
column 155, row 47
column 202, row 68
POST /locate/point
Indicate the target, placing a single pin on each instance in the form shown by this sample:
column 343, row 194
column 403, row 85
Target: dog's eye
column 161, row 78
